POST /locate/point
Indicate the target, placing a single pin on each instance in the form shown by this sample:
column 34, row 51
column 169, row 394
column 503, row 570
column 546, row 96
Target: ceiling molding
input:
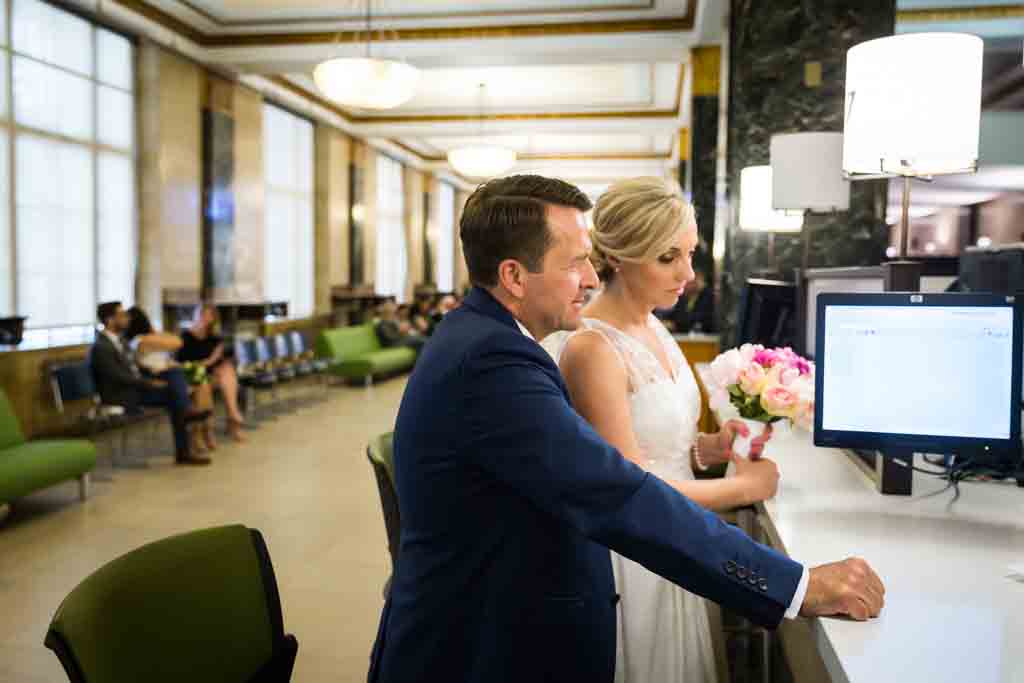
column 977, row 13
column 167, row 21
column 537, row 116
column 257, row 23
column 450, row 33
column 597, row 156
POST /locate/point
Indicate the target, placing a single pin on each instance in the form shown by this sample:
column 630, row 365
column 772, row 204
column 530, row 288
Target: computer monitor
column 767, row 313
column 929, row 373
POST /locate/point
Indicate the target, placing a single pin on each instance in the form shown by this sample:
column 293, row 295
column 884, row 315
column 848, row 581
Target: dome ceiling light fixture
column 483, row 160
column 367, row 82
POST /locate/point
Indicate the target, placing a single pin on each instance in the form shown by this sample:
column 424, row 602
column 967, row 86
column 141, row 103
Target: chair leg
column 83, row 486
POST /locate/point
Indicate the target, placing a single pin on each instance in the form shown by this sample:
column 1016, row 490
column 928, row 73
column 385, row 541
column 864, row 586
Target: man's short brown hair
column 505, row 218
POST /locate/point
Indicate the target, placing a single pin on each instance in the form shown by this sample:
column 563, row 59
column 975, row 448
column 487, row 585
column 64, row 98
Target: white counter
column 951, row 612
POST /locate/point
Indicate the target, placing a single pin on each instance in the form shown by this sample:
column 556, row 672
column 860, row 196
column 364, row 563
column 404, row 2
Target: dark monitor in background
column 998, row 269
column 767, row 313
column 938, row 275
column 926, row 373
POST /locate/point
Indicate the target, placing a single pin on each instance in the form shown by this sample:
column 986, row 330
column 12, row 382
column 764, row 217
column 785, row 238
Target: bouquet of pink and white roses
column 765, row 385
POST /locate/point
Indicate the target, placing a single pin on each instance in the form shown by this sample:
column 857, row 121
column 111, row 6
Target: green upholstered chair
column 355, row 353
column 380, row 453
column 199, row 607
column 27, row 466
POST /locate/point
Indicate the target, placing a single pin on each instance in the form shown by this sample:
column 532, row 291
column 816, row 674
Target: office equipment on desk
column 938, row 275
column 997, row 269
column 900, row 373
column 767, row 313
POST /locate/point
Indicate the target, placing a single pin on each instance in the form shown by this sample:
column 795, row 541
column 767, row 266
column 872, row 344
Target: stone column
column 170, row 174
column 333, row 153
column 787, row 74
column 415, row 184
column 702, row 159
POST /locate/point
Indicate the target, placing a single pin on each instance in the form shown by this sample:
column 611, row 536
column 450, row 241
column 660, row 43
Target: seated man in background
column 120, row 383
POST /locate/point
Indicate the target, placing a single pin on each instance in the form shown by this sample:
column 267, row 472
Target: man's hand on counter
column 849, row 587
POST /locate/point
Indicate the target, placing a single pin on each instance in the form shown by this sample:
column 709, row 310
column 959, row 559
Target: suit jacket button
column 730, row 567
column 742, row 573
column 763, row 584
column 753, row 579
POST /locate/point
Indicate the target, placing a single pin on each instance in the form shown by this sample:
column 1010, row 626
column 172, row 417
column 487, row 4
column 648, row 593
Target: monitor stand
column 891, row 471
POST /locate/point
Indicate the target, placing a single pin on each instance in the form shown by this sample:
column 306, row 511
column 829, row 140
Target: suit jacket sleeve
column 106, row 363
column 523, row 431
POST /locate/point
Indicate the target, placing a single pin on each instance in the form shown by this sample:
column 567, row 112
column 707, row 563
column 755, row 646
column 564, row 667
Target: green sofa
column 355, row 353
column 27, row 466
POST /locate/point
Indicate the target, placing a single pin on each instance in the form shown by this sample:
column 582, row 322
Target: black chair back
column 297, row 343
column 280, row 347
column 261, row 348
column 244, row 355
column 72, row 382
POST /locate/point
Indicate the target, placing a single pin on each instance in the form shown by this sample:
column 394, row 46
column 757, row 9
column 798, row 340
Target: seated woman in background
column 201, row 345
column 422, row 313
column 391, row 331
column 153, row 354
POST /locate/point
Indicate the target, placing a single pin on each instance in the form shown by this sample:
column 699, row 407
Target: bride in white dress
column 628, row 378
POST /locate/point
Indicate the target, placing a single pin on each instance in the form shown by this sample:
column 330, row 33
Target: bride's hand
column 758, row 478
column 718, row 446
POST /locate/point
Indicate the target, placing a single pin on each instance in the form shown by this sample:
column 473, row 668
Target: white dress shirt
column 801, row 588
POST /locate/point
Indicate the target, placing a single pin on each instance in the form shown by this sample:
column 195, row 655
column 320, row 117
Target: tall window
column 446, row 238
column 72, row 121
column 392, row 255
column 288, row 164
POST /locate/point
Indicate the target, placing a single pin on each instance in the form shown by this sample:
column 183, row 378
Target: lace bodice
column 664, row 408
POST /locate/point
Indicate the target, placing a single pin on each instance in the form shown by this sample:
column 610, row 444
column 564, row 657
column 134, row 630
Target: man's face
column 554, row 297
column 119, row 322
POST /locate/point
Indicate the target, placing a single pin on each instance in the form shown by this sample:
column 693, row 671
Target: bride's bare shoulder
column 589, row 353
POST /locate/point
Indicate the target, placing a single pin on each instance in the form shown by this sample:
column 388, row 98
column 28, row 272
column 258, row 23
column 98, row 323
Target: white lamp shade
column 482, row 161
column 807, row 172
column 366, row 83
column 913, row 105
column 756, row 212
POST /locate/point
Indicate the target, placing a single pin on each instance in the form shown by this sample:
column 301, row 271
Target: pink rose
column 779, row 401
column 804, row 417
column 787, row 376
column 752, row 379
column 766, row 358
column 748, row 351
column 725, row 369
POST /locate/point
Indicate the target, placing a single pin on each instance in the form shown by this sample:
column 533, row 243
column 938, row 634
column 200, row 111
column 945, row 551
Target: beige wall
column 365, row 157
column 461, row 274
column 333, row 153
column 249, row 184
column 170, row 176
column 415, row 184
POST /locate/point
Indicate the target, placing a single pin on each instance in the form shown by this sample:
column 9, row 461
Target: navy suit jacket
column 509, row 502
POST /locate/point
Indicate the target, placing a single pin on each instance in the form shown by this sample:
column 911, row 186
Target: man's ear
column 512, row 278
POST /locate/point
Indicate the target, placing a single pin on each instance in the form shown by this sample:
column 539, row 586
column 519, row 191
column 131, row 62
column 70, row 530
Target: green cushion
column 382, row 452
column 377, row 362
column 10, row 430
column 38, row 464
column 344, row 343
column 187, row 608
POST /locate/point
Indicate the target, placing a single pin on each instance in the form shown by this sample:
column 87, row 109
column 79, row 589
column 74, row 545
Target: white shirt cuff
column 798, row 597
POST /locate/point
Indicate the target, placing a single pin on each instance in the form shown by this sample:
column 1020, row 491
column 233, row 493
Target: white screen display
column 930, row 371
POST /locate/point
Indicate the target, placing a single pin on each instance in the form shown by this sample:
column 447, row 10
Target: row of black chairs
column 267, row 364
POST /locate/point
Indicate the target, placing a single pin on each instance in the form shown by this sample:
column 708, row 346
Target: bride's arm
column 599, row 390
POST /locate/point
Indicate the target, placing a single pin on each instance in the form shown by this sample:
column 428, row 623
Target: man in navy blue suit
column 509, row 500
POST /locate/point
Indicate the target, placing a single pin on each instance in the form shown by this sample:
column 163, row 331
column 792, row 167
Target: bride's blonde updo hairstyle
column 636, row 220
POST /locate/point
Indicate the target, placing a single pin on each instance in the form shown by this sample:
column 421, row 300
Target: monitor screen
column 767, row 313
column 924, row 371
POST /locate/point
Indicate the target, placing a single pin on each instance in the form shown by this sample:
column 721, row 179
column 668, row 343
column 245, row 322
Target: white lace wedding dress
column 663, row 632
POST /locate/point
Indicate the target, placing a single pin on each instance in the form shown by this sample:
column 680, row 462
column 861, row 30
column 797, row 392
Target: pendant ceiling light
column 366, row 82
column 482, row 161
